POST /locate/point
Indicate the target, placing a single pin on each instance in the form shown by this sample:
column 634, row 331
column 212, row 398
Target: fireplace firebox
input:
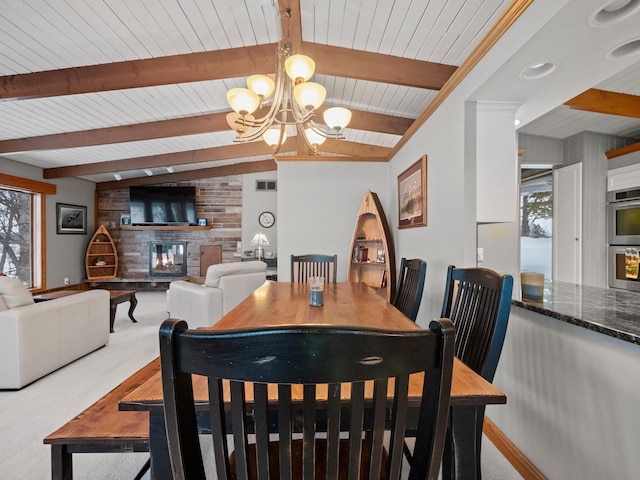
column 168, row 259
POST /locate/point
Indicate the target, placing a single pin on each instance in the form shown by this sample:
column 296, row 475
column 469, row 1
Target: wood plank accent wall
column 219, row 200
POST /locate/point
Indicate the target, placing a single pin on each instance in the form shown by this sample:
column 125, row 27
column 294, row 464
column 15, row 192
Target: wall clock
column 266, row 219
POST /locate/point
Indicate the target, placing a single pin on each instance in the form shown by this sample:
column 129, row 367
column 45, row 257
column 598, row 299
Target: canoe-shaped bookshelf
column 373, row 258
column 101, row 261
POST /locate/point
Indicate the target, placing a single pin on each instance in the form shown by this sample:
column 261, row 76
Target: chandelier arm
column 325, row 131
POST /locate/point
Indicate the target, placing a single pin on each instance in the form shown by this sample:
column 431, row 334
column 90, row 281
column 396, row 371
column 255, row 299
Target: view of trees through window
column 15, row 234
column 536, row 211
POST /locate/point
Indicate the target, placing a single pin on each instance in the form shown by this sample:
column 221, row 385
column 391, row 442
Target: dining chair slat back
column 353, row 380
column 478, row 302
column 410, row 286
column 314, row 265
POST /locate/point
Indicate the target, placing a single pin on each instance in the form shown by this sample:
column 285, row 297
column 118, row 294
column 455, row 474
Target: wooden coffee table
column 121, row 296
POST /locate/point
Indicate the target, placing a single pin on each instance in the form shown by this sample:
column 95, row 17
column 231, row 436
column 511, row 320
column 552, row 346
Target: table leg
column 112, row 315
column 461, row 460
column 61, row 463
column 133, row 301
column 158, row 448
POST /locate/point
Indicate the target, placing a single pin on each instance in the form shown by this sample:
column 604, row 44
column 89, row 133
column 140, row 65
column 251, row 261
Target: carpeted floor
column 30, row 414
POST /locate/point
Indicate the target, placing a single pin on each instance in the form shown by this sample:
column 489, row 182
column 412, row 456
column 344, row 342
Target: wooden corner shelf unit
column 101, row 260
column 372, row 251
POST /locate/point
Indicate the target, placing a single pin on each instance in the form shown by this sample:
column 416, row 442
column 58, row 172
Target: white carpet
column 30, row 414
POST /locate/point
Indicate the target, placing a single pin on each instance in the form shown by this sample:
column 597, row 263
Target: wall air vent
column 265, row 185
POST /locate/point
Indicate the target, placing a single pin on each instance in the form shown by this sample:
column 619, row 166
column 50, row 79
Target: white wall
column 65, row 253
column 318, row 205
column 572, row 398
column 253, row 204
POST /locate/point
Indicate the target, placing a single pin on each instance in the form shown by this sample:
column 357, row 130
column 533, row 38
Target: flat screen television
column 162, row 205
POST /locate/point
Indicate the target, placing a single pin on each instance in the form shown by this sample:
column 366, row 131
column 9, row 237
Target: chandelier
column 291, row 100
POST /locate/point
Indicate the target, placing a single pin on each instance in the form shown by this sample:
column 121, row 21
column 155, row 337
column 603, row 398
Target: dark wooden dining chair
column 478, row 301
column 329, row 367
column 410, row 286
column 314, row 265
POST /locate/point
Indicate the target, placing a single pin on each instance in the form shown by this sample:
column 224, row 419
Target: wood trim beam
column 192, row 67
column 327, row 158
column 618, row 152
column 214, row 122
column 361, row 65
column 235, row 169
column 226, row 152
column 515, row 457
column 27, row 185
column 344, row 147
column 611, row 103
column 507, row 19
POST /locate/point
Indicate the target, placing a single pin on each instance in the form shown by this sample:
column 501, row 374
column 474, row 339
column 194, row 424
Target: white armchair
column 225, row 286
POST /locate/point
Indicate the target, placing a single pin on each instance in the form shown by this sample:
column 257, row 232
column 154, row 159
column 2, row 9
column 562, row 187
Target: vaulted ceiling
column 90, row 88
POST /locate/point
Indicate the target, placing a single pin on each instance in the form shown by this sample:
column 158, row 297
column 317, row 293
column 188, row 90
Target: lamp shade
column 260, row 239
column 309, row 95
column 314, row 138
column 337, row 118
column 272, row 136
column 300, row 68
column 261, row 85
column 243, row 100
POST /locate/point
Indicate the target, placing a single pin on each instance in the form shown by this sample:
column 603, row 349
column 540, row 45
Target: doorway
column 536, row 221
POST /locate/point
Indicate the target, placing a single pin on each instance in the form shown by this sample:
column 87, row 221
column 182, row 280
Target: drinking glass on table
column 316, row 291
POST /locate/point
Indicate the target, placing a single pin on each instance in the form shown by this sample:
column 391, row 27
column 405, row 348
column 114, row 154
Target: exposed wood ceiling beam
column 220, row 64
column 240, row 150
column 361, row 65
column 214, row 122
column 226, row 152
column 602, row 101
column 192, row 67
column 236, row 169
column 291, row 25
column 618, row 152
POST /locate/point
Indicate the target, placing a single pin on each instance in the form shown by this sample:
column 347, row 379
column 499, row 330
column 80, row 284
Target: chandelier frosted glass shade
column 314, row 138
column 261, row 85
column 337, row 118
column 300, row 68
column 309, row 95
column 243, row 100
column 272, row 137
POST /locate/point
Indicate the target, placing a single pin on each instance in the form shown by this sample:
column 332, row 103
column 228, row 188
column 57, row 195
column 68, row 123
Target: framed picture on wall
column 412, row 195
column 71, row 219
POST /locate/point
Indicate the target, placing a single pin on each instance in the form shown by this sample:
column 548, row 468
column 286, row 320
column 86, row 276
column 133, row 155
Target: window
column 21, row 229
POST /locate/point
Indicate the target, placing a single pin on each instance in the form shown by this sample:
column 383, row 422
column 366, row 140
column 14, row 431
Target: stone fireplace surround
column 219, row 200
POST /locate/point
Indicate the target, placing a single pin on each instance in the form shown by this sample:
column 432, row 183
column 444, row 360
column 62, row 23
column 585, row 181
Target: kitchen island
column 571, row 370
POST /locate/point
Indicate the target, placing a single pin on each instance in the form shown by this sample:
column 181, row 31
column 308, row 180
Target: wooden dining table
column 345, row 305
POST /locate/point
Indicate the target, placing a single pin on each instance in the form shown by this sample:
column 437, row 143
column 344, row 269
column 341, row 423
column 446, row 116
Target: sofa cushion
column 3, row 304
column 215, row 272
column 14, row 293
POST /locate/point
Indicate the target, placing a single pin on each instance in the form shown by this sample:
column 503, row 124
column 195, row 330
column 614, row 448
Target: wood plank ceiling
column 90, row 88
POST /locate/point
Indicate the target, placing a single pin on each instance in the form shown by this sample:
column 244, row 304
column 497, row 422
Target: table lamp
column 261, row 240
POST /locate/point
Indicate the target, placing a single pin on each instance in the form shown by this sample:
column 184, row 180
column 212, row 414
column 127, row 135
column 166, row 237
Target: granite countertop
column 610, row 311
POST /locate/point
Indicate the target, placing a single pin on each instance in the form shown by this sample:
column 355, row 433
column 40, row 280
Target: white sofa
column 38, row 338
column 225, row 286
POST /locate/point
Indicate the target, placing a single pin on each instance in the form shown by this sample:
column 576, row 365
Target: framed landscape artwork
column 71, row 218
column 412, row 195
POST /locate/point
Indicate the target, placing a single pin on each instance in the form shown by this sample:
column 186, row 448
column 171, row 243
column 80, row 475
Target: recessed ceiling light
column 117, row 176
column 628, row 49
column 517, row 122
column 170, row 169
column 613, row 12
column 537, row 70
column 148, row 172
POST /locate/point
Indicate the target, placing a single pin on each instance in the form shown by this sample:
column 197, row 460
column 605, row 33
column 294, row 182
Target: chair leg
column 143, row 470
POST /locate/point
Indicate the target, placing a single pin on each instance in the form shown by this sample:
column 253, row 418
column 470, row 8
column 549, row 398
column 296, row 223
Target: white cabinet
column 623, row 178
